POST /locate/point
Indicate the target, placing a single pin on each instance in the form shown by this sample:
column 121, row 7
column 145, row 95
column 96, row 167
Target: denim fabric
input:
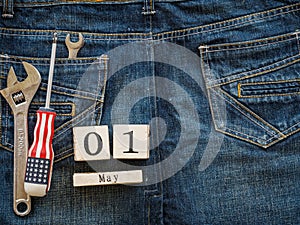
column 264, row 91
column 244, row 105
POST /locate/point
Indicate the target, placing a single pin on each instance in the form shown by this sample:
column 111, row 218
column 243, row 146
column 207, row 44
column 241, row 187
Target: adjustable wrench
column 19, row 95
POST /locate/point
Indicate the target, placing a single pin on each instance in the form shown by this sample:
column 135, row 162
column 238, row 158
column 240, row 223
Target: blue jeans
column 218, row 81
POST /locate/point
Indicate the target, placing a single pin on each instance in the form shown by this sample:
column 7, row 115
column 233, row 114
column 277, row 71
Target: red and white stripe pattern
column 43, row 135
column 40, row 155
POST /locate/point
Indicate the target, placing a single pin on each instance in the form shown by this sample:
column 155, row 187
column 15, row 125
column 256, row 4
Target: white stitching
column 260, row 44
column 199, row 29
column 256, row 122
column 256, row 72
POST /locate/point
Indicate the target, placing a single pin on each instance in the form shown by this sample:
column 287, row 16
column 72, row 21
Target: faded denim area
column 232, row 108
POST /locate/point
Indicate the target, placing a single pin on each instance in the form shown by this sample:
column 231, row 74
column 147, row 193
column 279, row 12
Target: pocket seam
column 273, row 138
column 99, row 101
column 214, row 86
column 6, row 148
column 72, row 112
column 260, row 71
column 239, row 87
column 251, row 44
column 252, row 113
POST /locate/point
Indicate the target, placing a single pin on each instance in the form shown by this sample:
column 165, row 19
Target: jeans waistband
column 101, row 35
column 32, row 3
column 8, row 5
column 198, row 11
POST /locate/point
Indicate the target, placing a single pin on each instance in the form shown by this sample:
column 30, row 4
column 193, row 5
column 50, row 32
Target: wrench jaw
column 19, row 96
column 33, row 76
column 74, row 47
column 11, row 78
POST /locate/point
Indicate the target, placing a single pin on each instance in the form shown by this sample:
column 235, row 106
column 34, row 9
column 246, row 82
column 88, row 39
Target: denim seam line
column 82, row 114
column 8, row 8
column 230, row 22
column 290, row 130
column 5, row 121
column 46, row 61
column 148, row 36
column 256, row 119
column 265, row 146
column 62, row 92
column 7, row 113
column 63, row 155
column 270, row 82
column 71, row 113
column 267, row 142
column 246, row 136
column 7, row 148
column 102, row 60
column 88, row 35
column 267, row 95
column 68, row 125
column 280, row 135
column 235, row 22
column 251, row 44
column 254, row 73
column 57, row 158
column 69, row 2
column 57, row 89
column 66, row 91
column 241, row 85
column 148, row 8
column 298, row 42
column 206, row 69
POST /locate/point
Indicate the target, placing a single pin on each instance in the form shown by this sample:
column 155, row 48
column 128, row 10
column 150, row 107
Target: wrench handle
column 22, row 201
column 40, row 156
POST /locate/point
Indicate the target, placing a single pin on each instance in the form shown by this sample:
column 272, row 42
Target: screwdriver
column 40, row 156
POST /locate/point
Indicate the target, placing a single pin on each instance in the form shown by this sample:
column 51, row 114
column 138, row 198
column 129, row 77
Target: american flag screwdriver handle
column 40, row 155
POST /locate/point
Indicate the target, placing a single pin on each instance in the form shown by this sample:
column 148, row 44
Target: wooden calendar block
column 106, row 178
column 131, row 141
column 91, row 143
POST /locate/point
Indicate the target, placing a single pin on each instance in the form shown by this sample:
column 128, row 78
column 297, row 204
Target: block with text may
column 108, row 178
column 129, row 142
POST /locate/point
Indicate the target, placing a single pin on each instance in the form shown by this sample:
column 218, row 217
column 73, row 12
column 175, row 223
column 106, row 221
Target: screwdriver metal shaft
column 51, row 70
column 41, row 154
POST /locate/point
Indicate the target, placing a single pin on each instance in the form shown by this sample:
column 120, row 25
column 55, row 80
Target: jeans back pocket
column 254, row 88
column 77, row 97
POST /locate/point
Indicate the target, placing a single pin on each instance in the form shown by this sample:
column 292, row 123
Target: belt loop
column 8, row 8
column 148, row 8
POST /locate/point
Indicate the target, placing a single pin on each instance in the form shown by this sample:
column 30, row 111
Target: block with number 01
column 131, row 141
column 91, row 143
